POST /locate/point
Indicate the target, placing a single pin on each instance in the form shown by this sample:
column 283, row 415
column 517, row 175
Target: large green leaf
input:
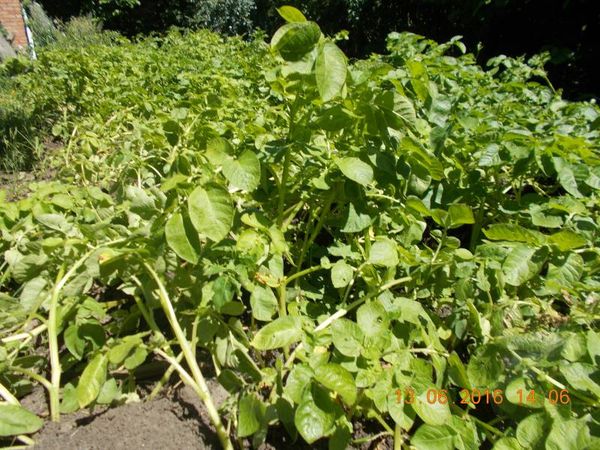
column 341, row 274
column 356, row 170
column 244, row 172
column 532, row 430
column 15, row 420
column 295, row 39
column 521, row 265
column 315, row 416
column 211, row 211
column 279, row 333
column 337, row 379
column 516, row 233
column 250, row 415
column 429, row 437
column 372, row 319
column 430, row 409
column 263, row 302
column 384, row 253
column 291, row 14
column 330, row 70
column 182, row 238
column 568, row 435
column 460, row 215
column 347, row 337
column 91, row 380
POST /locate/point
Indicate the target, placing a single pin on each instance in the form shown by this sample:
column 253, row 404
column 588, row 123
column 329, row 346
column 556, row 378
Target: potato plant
column 410, row 241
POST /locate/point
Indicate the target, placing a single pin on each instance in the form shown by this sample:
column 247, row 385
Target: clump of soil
column 175, row 422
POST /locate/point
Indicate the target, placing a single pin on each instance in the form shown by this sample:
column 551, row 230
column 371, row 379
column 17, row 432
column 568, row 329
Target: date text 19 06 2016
column 482, row 396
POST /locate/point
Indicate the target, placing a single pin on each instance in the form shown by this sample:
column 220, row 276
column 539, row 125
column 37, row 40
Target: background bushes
column 568, row 29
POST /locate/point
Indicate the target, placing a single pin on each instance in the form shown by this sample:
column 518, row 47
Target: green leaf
column 372, row 319
column 384, row 253
column 532, row 430
column 330, row 71
column 507, row 443
column 295, row 39
column 567, row 240
column 297, row 382
column 136, row 359
column 347, row 337
column 291, row 14
column 28, row 267
column 250, row 415
column 315, row 417
column 460, row 215
column 211, row 212
column 218, row 151
column 579, row 375
column 568, row 435
column 593, row 345
column 515, row 233
column 563, row 272
column 109, row 392
column 182, row 238
column 337, row 379
column 91, row 380
column 341, row 274
column 518, row 393
column 566, row 177
column 356, row 221
column 15, row 420
column 429, row 437
column 119, row 352
column 263, row 303
column 484, row 366
column 74, row 343
column 356, row 170
column 243, row 173
column 279, row 333
column 432, row 412
column 521, row 265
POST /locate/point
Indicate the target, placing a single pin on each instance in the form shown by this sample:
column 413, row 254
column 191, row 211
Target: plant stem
column 302, row 273
column 307, row 243
column 34, row 376
column 55, row 369
column 371, row 438
column 53, row 329
column 282, row 291
column 198, row 378
column 283, row 186
column 495, row 431
column 398, row 438
column 6, row 395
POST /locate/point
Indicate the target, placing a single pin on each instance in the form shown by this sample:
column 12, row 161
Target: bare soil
column 176, row 421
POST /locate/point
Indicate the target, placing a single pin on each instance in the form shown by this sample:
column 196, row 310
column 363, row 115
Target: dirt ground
column 177, row 421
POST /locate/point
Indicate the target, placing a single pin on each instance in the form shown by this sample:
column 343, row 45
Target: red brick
column 12, row 20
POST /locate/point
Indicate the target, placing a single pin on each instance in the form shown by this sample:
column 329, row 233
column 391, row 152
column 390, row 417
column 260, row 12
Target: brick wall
column 12, row 21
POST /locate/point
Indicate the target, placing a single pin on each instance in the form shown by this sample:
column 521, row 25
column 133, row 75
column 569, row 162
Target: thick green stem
column 283, row 186
column 190, row 358
column 55, row 369
column 302, row 273
column 53, row 349
column 398, row 439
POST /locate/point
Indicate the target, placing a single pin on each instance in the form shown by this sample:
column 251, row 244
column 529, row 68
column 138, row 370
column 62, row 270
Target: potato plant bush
column 337, row 239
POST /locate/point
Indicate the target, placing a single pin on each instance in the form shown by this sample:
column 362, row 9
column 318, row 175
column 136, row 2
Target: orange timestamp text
column 483, row 396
